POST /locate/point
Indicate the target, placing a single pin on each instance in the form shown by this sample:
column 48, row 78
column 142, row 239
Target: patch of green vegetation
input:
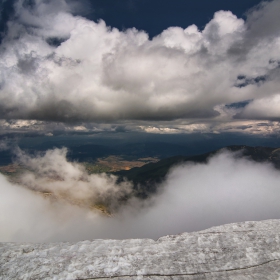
column 96, row 168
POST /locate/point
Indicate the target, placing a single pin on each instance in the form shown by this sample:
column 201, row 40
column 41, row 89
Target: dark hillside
column 146, row 178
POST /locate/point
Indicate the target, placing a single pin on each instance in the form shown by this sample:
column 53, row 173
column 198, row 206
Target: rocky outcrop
column 249, row 250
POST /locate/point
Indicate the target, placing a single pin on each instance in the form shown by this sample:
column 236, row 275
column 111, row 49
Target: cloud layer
column 52, row 173
column 193, row 197
column 64, row 68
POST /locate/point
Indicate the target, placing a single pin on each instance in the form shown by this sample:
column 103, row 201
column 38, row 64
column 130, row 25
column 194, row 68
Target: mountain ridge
column 147, row 177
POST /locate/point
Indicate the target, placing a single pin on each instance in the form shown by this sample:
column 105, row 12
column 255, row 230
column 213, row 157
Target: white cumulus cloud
column 64, row 68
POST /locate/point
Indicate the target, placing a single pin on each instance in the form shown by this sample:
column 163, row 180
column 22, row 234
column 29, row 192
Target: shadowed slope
column 147, row 177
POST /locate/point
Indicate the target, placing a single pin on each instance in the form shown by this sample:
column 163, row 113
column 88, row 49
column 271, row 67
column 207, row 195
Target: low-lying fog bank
column 193, row 197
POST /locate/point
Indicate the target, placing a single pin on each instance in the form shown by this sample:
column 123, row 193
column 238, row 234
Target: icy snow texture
column 249, row 250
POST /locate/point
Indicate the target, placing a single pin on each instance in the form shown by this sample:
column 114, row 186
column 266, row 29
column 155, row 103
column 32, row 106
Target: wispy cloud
column 51, row 172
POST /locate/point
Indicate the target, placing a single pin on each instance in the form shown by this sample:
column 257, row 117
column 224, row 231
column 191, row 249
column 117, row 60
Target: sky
column 151, row 66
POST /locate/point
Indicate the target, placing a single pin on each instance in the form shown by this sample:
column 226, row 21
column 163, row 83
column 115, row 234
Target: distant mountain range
column 147, row 177
column 129, row 151
column 90, row 152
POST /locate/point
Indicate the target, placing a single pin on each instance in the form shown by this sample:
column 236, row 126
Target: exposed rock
column 249, row 250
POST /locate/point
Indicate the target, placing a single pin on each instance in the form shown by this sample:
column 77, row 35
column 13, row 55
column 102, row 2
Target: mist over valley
column 54, row 197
